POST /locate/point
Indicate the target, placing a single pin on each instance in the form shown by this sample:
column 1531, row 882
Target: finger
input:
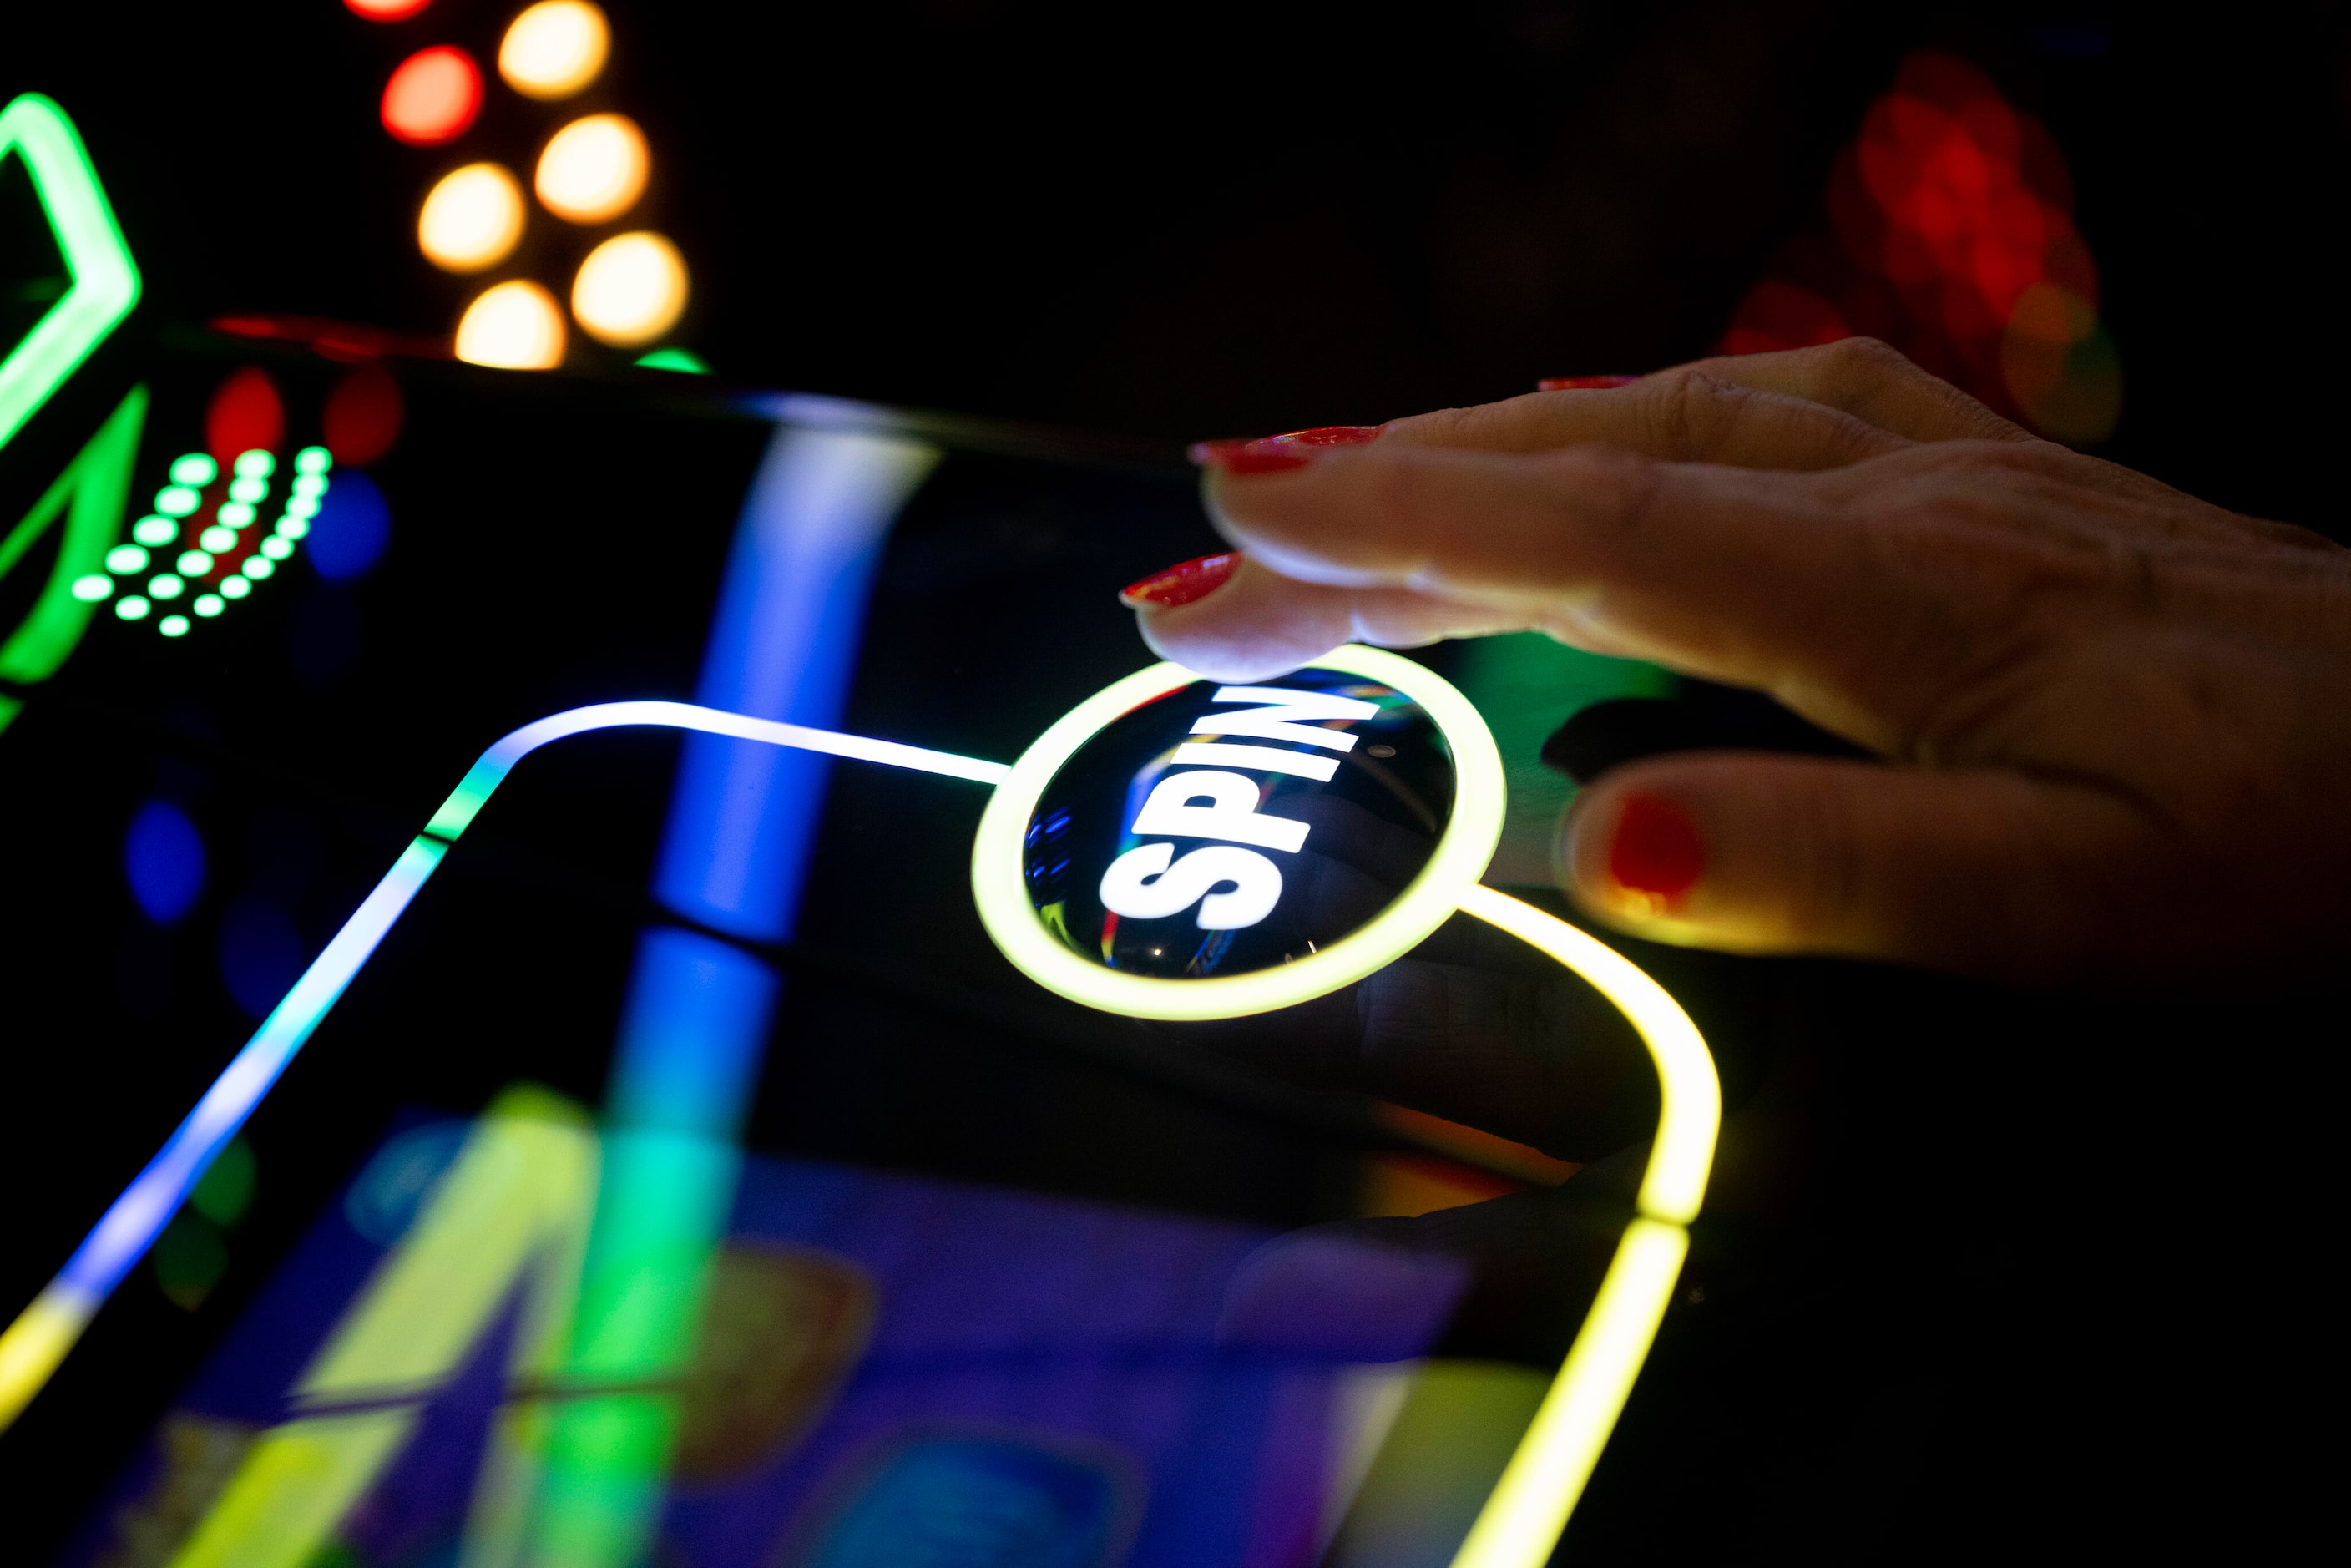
column 1734, row 574
column 1260, row 623
column 1987, row 873
column 1686, row 415
column 1867, row 380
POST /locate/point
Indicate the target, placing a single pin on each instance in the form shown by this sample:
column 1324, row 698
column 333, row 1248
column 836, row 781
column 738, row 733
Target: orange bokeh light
column 387, row 10
column 432, row 97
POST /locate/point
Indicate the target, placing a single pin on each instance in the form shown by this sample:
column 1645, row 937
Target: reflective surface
column 1222, row 829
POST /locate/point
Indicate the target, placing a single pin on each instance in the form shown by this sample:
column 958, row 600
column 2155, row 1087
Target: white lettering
column 1256, row 884
column 1265, row 758
column 1169, row 809
column 1292, row 715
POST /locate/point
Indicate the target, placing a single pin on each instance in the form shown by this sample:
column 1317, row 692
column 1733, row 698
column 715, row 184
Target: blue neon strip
column 135, row 1219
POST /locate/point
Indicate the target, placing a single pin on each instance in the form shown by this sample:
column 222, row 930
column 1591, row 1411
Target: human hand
column 2118, row 719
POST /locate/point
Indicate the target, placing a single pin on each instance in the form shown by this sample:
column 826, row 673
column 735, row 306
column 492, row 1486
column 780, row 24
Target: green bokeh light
column 126, row 559
column 177, row 500
column 155, row 531
column 196, row 468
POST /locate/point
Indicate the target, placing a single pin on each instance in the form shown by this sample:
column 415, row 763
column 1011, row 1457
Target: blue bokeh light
column 353, row 524
column 163, row 859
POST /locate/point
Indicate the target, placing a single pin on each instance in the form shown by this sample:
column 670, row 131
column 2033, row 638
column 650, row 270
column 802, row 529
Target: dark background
column 1232, row 218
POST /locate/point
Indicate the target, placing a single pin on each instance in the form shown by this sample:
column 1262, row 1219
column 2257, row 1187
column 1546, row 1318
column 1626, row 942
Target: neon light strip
column 1522, row 1520
column 33, row 1345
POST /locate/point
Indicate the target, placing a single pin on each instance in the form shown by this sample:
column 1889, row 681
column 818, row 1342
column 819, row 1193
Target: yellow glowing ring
column 1460, row 858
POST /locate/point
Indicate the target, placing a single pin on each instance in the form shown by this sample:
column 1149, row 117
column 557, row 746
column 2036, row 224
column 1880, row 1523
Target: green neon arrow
column 105, row 280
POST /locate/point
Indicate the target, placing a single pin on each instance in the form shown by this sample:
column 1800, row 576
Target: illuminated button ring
column 1172, row 849
column 201, row 550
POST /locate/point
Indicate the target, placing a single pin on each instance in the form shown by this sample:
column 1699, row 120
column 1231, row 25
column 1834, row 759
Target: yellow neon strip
column 38, row 1341
column 1689, row 1105
column 1521, row 1524
column 1459, row 860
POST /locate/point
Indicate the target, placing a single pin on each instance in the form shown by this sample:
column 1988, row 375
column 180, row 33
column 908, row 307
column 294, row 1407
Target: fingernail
column 1181, row 584
column 1583, row 383
column 1281, row 453
column 1656, row 850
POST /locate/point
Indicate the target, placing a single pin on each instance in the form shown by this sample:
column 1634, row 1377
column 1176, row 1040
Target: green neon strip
column 105, row 280
column 90, row 493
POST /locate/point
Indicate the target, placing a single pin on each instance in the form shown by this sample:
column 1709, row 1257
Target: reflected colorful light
column 433, row 95
column 471, row 219
column 514, row 326
column 386, row 10
column 594, row 169
column 631, row 290
column 555, row 49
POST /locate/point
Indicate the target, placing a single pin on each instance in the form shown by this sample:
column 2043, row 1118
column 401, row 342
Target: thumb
column 1984, row 872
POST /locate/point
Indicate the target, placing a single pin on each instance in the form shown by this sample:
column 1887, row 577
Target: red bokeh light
column 432, row 97
column 387, row 10
column 245, row 413
column 1953, row 238
column 363, row 416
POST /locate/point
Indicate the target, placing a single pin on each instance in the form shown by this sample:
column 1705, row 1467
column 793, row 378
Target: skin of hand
column 2114, row 721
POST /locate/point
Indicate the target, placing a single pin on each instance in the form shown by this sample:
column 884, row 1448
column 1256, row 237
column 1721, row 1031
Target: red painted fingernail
column 1657, row 849
column 1181, row 584
column 1281, row 453
column 1247, row 458
column 1583, row 383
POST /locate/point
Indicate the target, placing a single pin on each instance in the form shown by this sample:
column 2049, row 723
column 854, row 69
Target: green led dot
column 292, row 528
column 194, row 563
column 257, row 567
column 196, row 468
column 155, row 531
column 234, row 588
column 236, row 513
column 277, row 550
column 217, row 540
column 177, row 500
column 313, row 460
column 131, row 607
column 310, row 485
column 164, row 585
column 92, row 588
column 208, row 605
column 126, row 559
column 247, row 490
column 172, row 625
column 256, row 464
column 302, row 506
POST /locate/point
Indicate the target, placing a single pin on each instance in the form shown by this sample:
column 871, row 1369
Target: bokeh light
column 386, row 10
column 631, row 290
column 594, row 169
column 433, row 95
column 1952, row 237
column 245, row 413
column 515, row 325
column 471, row 219
column 348, row 535
column 554, row 49
column 163, row 861
column 360, row 422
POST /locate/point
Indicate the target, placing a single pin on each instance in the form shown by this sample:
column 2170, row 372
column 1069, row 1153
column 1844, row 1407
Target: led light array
column 225, row 557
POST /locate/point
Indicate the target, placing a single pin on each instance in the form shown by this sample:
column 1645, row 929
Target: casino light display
column 1950, row 235
column 626, row 290
column 1522, row 1520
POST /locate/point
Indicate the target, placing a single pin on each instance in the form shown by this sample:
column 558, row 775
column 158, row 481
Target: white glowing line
column 32, row 1346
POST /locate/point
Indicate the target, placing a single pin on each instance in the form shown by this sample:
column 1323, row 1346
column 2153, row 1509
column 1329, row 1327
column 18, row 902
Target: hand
column 2115, row 721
